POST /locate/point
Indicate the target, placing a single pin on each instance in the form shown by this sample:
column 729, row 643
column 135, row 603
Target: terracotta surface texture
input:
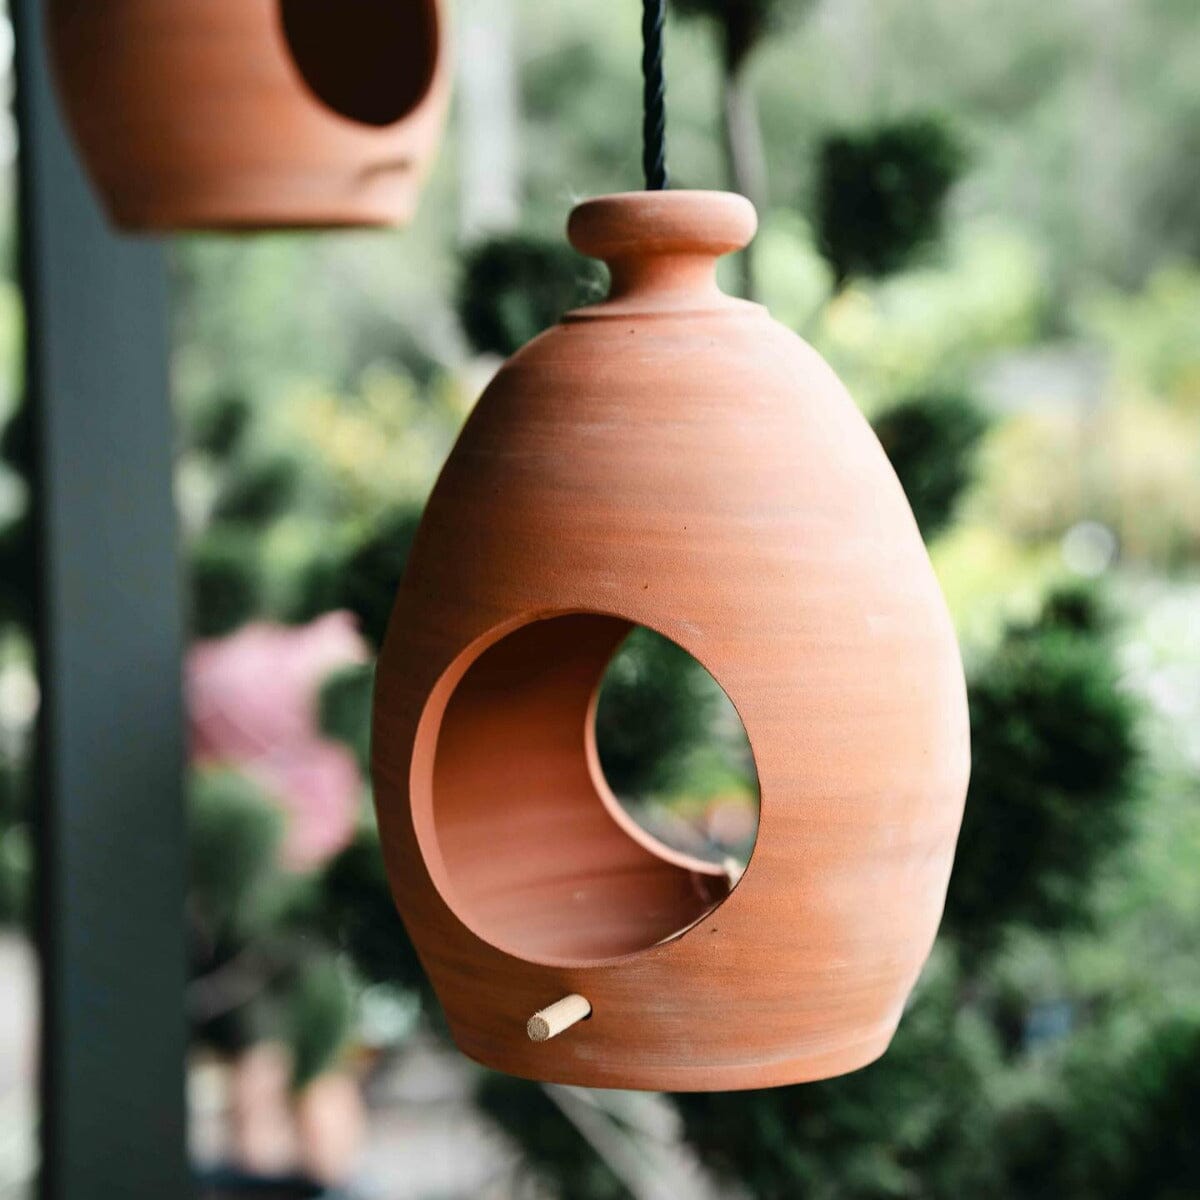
column 246, row 114
column 672, row 458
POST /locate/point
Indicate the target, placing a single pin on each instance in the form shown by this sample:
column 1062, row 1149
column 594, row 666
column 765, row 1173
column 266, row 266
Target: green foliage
column 1054, row 776
column 654, row 709
column 913, row 1125
column 259, row 488
column 560, row 1157
column 1122, row 1126
column 344, row 709
column 931, row 441
column 515, row 286
column 234, row 834
column 16, row 862
column 359, row 915
column 16, row 532
column 16, row 572
column 1135, row 1126
column 881, row 193
column 371, row 571
column 320, row 1013
column 226, row 580
column 743, row 23
column 218, row 427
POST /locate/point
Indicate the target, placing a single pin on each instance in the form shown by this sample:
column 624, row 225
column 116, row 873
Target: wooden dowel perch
column 560, row 1015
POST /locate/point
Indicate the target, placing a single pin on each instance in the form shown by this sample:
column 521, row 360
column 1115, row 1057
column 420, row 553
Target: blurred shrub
column 16, row 855
column 16, row 571
column 217, row 426
column 259, row 488
column 1053, row 780
column 931, row 441
column 742, row 23
column 881, row 192
column 515, row 286
column 359, row 915
column 234, row 836
column 344, row 709
column 16, row 531
column 320, row 1015
column 655, row 707
column 1134, row 1125
column 915, row 1124
column 226, row 580
column 370, row 573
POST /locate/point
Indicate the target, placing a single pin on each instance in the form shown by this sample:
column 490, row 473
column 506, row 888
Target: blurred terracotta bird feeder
column 244, row 114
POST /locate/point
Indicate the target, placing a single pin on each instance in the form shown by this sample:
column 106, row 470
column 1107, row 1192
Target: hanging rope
column 654, row 90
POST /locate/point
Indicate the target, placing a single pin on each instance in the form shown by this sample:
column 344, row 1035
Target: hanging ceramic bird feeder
column 671, row 458
column 247, row 114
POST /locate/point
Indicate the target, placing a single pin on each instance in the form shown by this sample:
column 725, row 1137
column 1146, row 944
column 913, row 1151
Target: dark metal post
column 111, row 842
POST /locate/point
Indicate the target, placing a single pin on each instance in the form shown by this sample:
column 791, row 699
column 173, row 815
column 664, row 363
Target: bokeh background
column 985, row 216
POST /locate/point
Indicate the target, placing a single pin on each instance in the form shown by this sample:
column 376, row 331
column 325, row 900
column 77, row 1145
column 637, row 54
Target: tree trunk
column 746, row 164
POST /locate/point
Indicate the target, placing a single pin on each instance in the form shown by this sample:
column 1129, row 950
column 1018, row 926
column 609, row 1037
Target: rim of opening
column 422, row 800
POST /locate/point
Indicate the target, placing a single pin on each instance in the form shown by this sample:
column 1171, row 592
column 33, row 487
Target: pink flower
column 252, row 705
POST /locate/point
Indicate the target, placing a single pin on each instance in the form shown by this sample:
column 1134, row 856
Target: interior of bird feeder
column 523, row 836
column 371, row 61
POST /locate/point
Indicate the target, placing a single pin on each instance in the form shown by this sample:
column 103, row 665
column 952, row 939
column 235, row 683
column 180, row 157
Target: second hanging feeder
column 245, row 114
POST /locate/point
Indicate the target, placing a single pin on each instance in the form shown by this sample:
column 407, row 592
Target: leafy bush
column 881, row 192
column 226, row 580
column 931, row 441
column 1054, row 776
column 515, row 286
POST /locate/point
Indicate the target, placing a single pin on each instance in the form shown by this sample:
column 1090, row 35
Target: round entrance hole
column 525, row 838
column 371, row 61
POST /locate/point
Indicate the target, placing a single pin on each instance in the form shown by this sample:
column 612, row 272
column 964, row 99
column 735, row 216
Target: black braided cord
column 654, row 91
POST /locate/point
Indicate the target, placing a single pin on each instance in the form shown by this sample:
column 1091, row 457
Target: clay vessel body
column 245, row 114
column 673, row 458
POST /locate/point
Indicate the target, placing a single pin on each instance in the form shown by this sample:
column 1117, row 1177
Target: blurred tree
column 218, row 427
column 915, row 1124
column 345, row 709
column 226, row 579
column 257, row 969
column 320, row 1014
column 741, row 27
column 16, row 534
column 514, row 286
column 1054, row 776
column 931, row 441
column 655, row 706
column 1134, row 1125
column 258, row 488
column 359, row 915
column 881, row 193
column 369, row 573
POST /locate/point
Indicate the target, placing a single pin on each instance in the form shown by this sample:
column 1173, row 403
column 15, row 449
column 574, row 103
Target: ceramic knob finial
column 660, row 245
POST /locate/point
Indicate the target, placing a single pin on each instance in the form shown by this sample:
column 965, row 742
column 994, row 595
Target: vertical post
column 111, row 825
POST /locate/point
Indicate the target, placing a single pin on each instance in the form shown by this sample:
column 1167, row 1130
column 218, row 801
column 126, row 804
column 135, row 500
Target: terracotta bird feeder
column 671, row 458
column 244, row 114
